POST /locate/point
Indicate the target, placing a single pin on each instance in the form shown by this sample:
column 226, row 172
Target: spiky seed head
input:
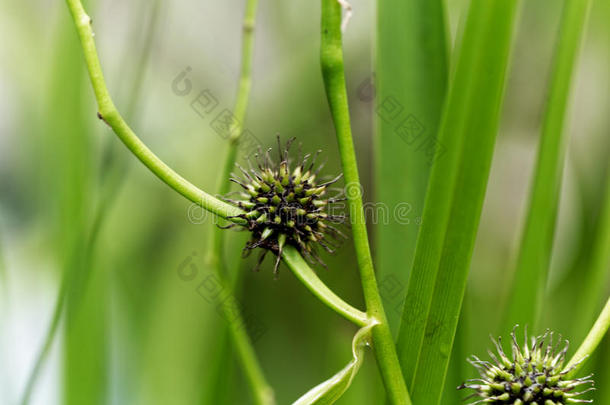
column 535, row 374
column 285, row 204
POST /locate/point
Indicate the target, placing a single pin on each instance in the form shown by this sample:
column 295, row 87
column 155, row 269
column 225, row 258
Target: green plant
column 333, row 69
column 283, row 207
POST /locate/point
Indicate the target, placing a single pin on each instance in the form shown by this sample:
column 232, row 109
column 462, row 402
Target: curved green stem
column 331, row 55
column 304, row 272
column 108, row 112
column 595, row 336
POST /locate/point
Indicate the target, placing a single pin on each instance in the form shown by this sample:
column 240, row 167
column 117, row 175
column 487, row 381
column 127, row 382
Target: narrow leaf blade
column 537, row 240
column 410, row 83
column 454, row 198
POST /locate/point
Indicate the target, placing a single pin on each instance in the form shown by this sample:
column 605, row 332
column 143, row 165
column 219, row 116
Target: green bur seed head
column 535, row 375
column 286, row 205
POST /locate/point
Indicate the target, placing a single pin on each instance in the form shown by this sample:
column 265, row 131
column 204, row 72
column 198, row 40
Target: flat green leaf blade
column 493, row 37
column 537, row 239
column 331, row 390
column 410, row 83
column 473, row 95
column 454, row 198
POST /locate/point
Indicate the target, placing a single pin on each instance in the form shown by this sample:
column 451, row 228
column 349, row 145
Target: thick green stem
column 108, row 112
column 331, row 55
column 595, row 336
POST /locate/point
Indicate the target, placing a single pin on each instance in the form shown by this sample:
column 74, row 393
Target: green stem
column 243, row 93
column 303, row 272
column 239, row 112
column 245, row 77
column 331, row 55
column 261, row 390
column 592, row 340
column 108, row 112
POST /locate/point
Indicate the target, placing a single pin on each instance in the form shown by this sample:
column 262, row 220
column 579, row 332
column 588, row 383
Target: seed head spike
column 261, row 257
column 313, row 161
column 279, row 147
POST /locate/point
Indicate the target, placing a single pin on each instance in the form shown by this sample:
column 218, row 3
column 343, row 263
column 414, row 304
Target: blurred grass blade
column 85, row 357
column 3, row 270
column 70, row 149
column 331, row 390
column 4, row 278
column 411, row 74
column 80, row 262
column 534, row 255
column 218, row 388
column 87, row 299
column 86, row 349
column 454, row 198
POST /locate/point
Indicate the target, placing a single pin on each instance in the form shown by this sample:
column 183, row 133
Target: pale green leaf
column 331, row 390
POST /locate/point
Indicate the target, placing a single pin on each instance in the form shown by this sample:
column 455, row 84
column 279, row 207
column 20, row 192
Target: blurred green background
column 138, row 333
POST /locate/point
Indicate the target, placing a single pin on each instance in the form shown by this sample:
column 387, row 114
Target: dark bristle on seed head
column 534, row 373
column 286, row 205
